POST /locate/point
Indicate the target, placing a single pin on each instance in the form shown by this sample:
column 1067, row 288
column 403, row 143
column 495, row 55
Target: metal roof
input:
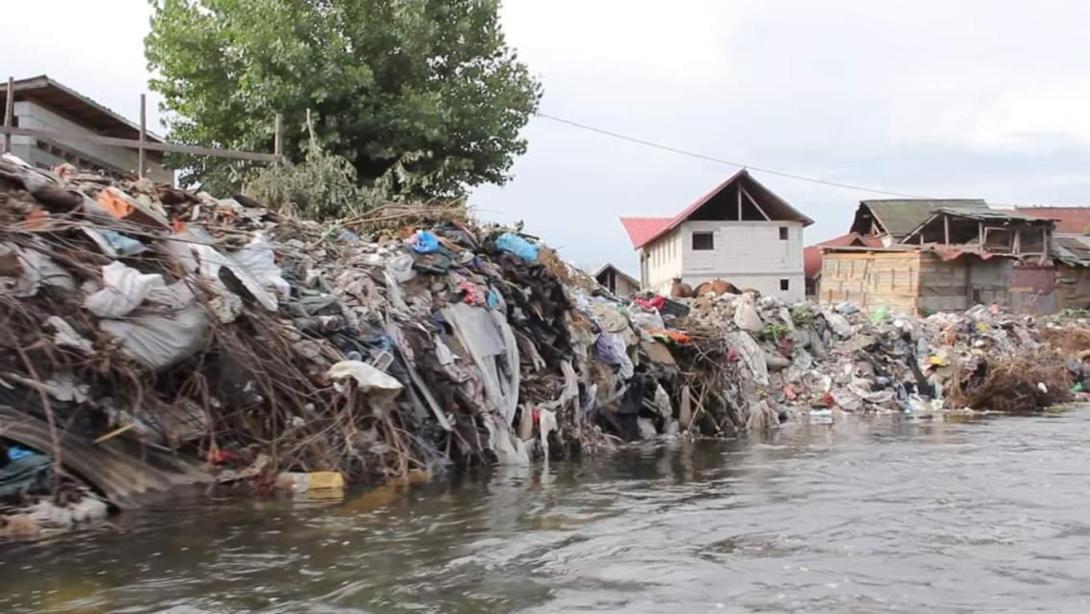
column 74, row 106
column 1071, row 249
column 1069, row 220
column 645, row 230
column 898, row 217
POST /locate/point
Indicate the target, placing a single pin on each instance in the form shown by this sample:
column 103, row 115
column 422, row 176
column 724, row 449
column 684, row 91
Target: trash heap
column 155, row 338
column 810, row 361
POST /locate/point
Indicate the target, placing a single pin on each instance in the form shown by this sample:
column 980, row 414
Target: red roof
column 811, row 256
column 643, row 230
column 1069, row 220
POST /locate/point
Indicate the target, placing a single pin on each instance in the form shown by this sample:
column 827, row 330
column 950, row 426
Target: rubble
column 155, row 338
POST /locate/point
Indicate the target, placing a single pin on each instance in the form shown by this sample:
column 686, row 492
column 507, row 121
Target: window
column 783, row 233
column 703, row 241
column 785, row 285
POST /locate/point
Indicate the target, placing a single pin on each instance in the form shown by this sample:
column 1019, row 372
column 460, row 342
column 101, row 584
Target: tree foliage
column 424, row 89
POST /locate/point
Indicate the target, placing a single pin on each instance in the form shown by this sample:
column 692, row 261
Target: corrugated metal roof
column 639, row 230
column 642, row 229
column 1071, row 220
column 901, row 216
column 1072, row 249
column 811, row 256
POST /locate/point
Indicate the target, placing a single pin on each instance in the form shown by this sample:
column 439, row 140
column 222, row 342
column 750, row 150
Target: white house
column 44, row 104
column 740, row 232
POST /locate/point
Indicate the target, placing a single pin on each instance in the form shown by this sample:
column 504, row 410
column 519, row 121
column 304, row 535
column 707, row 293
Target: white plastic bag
column 125, row 288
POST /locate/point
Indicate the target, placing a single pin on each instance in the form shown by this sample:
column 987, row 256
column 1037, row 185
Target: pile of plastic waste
column 810, row 360
column 155, row 339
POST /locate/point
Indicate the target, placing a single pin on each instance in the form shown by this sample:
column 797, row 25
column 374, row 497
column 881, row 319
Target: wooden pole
column 278, row 138
column 9, row 111
column 946, row 228
column 142, row 168
column 739, row 191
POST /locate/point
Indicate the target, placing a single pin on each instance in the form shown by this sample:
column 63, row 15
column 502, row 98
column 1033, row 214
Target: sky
column 973, row 99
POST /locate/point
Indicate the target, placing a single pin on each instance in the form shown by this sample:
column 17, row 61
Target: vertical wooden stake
column 278, row 138
column 142, row 169
column 9, row 111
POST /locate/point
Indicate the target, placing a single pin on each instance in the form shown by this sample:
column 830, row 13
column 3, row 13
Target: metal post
column 142, row 167
column 9, row 111
column 278, row 138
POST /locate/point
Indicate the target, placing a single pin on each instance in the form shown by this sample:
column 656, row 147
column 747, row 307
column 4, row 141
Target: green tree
column 426, row 88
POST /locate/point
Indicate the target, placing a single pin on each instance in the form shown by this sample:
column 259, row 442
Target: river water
column 988, row 515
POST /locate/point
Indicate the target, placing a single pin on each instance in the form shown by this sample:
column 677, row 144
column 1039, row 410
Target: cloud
column 969, row 98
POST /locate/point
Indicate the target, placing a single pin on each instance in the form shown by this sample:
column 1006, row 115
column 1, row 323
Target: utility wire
column 700, row 156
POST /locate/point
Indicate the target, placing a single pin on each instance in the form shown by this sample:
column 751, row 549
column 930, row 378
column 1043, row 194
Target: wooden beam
column 142, row 167
column 195, row 150
column 738, row 190
column 278, row 137
column 9, row 113
column 762, row 211
column 946, row 228
column 980, row 228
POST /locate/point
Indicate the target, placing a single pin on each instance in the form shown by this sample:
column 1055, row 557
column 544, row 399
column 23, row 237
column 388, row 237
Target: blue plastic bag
column 425, row 242
column 518, row 246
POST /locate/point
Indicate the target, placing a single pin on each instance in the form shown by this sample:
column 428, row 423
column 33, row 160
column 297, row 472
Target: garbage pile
column 809, row 360
column 154, row 338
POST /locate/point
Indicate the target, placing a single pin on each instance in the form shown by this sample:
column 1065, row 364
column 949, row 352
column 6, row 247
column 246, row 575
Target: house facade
column 41, row 103
column 740, row 232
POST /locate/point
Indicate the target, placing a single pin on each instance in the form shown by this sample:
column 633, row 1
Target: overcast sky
column 958, row 99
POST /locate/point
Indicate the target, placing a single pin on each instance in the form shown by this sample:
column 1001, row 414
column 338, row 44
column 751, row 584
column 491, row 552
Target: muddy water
column 991, row 515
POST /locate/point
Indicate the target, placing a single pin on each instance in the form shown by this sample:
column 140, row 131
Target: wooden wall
column 871, row 279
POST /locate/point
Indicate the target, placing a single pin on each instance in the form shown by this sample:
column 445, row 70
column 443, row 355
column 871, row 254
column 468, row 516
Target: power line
column 707, row 158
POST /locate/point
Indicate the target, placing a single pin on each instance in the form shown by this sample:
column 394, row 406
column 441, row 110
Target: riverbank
column 156, row 340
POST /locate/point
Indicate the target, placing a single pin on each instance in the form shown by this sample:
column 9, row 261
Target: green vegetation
column 422, row 97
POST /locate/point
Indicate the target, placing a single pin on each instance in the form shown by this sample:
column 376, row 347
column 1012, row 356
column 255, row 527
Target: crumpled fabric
column 487, row 337
column 611, row 350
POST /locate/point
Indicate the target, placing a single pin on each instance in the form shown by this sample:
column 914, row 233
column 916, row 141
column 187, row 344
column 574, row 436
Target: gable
column 739, row 198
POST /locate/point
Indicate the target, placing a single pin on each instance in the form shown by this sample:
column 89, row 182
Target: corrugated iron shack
column 953, row 259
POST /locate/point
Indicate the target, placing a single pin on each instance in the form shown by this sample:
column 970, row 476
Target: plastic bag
column 125, row 288
column 159, row 341
column 425, row 242
column 381, row 386
column 508, row 242
column 746, row 316
column 259, row 259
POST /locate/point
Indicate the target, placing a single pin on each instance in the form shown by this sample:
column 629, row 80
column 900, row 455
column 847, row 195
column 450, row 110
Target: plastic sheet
column 509, row 242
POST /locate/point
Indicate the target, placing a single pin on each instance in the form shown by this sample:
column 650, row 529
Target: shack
column 928, row 279
column 617, row 281
column 1071, row 254
column 889, row 221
